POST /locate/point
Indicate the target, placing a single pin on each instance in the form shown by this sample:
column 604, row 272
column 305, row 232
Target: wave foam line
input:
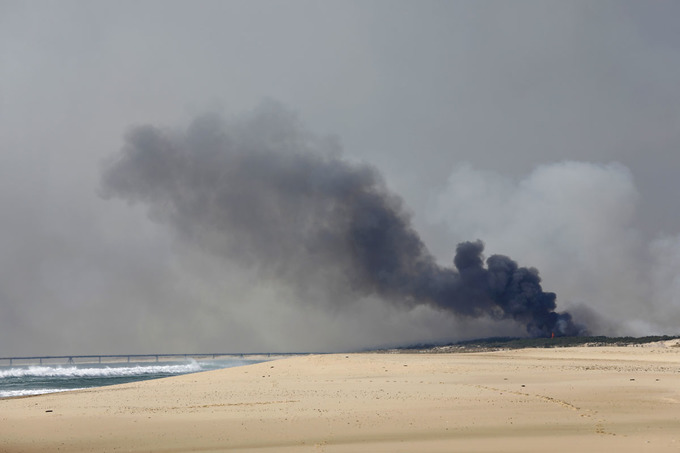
column 31, row 392
column 46, row 371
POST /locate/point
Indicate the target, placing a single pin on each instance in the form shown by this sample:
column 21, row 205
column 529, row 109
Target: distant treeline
column 519, row 343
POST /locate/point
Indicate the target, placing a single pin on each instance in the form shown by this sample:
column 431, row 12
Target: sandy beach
column 624, row 399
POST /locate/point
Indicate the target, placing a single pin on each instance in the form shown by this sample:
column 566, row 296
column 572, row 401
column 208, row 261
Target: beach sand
column 624, row 399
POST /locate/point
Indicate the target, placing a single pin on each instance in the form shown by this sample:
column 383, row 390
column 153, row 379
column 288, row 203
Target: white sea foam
column 29, row 392
column 74, row 371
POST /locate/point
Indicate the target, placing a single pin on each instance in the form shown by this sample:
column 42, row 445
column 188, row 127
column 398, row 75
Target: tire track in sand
column 599, row 424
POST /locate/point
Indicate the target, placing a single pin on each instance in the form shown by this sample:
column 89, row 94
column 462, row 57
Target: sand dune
column 624, row 399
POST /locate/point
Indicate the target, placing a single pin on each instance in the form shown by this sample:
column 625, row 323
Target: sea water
column 38, row 379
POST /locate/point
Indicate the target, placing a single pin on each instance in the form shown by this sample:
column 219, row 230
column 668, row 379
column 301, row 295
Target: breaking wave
column 31, row 392
column 103, row 372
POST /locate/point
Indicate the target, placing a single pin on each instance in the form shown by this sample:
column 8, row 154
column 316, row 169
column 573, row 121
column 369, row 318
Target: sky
column 546, row 129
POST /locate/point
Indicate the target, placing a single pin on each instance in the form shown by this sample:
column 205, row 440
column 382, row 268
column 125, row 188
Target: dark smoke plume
column 262, row 190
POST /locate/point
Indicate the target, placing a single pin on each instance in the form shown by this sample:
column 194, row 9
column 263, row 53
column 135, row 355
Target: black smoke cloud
column 264, row 191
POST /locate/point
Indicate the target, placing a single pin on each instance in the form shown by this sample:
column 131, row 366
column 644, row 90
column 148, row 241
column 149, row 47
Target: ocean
column 35, row 379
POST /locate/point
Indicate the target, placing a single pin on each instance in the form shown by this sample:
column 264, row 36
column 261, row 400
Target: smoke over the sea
column 262, row 190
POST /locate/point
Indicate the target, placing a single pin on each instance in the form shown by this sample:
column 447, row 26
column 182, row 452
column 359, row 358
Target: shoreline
column 605, row 398
column 29, row 379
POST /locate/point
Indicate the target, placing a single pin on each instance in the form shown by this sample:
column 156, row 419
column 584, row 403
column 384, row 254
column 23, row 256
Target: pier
column 127, row 358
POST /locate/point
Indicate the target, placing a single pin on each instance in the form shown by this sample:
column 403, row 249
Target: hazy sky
column 547, row 129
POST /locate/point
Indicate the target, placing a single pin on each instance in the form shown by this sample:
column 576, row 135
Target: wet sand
column 624, row 399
